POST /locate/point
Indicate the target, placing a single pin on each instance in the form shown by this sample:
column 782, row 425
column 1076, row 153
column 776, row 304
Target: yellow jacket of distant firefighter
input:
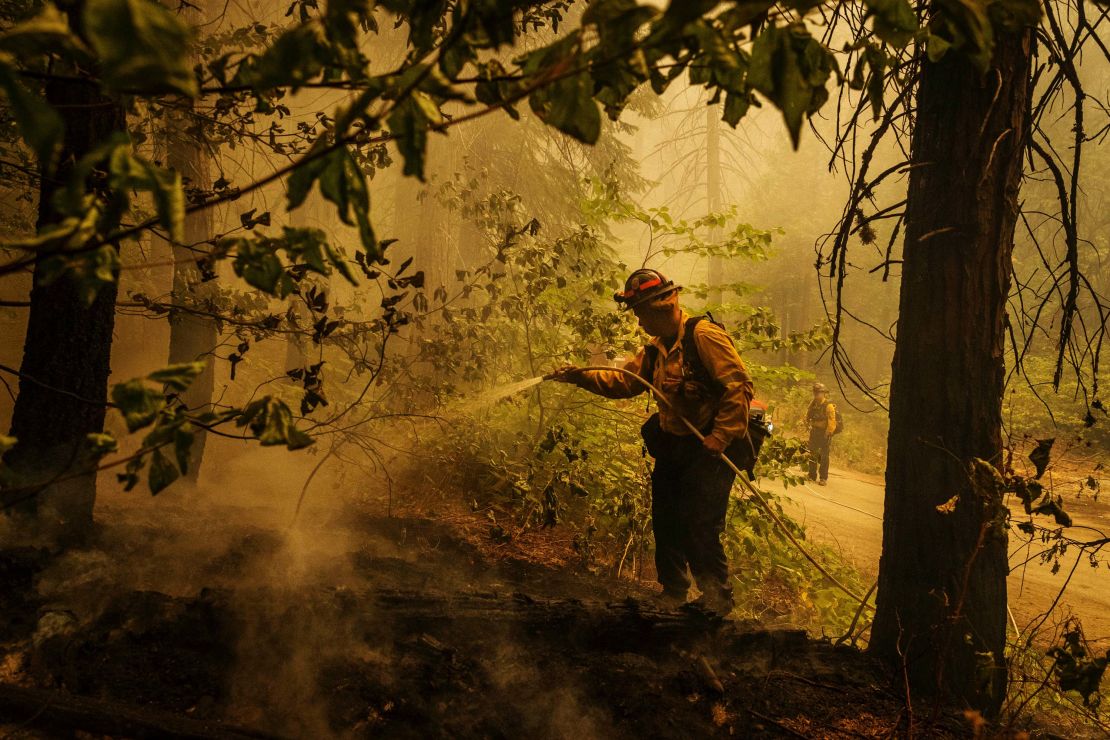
column 822, row 415
column 726, row 413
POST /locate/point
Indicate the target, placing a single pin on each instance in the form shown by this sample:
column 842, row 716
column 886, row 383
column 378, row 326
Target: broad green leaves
column 562, row 96
column 39, row 124
column 791, row 68
column 140, row 403
column 341, row 182
column 894, row 21
column 271, row 421
column 152, row 402
column 128, row 173
column 870, row 75
column 568, row 105
column 297, row 56
column 141, row 46
column 80, row 245
column 46, row 32
column 1075, row 668
column 176, row 378
column 409, row 122
column 257, row 261
column 969, row 26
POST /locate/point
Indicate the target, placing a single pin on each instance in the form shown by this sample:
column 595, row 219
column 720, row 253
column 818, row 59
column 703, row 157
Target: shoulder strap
column 647, row 367
column 692, row 356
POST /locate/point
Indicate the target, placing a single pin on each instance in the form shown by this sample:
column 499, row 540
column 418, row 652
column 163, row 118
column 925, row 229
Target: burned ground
column 367, row 626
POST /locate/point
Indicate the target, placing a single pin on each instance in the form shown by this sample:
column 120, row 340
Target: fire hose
column 752, row 490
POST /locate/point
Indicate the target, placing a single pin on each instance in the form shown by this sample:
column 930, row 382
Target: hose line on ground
column 755, row 493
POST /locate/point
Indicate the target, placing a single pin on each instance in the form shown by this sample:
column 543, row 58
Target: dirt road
column 847, row 514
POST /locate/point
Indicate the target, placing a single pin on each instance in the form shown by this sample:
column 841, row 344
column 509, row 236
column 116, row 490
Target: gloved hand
column 713, row 445
column 564, row 374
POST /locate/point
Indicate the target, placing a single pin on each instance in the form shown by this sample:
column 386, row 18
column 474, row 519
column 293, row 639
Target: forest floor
column 191, row 619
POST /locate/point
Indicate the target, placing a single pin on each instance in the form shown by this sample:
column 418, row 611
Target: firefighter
column 821, row 417
column 694, row 363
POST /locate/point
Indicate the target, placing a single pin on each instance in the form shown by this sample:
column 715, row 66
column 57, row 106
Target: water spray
column 752, row 490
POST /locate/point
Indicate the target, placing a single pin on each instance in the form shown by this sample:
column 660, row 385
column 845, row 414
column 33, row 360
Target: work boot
column 823, row 482
column 670, row 599
column 717, row 603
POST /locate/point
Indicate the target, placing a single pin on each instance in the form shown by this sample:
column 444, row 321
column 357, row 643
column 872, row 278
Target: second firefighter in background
column 821, row 417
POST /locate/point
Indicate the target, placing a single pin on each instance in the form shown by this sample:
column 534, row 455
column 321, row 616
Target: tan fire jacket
column 822, row 418
column 728, row 414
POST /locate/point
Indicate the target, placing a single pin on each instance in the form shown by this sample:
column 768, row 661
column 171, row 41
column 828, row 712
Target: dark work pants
column 689, row 500
column 819, row 443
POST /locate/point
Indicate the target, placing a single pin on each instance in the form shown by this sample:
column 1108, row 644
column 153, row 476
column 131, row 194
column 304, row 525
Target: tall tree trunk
column 192, row 337
column 713, row 199
column 64, row 373
column 941, row 608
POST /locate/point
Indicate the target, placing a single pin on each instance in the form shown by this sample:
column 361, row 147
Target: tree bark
column 64, row 373
column 191, row 337
column 941, row 610
column 713, row 200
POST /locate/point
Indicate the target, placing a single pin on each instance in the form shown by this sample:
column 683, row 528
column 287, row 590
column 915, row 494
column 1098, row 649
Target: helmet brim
column 649, row 296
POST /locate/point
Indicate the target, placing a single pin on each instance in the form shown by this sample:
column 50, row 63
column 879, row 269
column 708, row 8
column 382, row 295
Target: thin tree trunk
column 713, row 198
column 64, row 373
column 941, row 608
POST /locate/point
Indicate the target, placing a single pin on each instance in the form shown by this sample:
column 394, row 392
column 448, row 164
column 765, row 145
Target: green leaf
column 311, row 248
column 964, row 26
column 39, row 124
column 1054, row 506
column 736, row 107
column 870, row 75
column 936, row 47
column 720, row 64
column 46, row 33
column 101, row 444
column 1028, row 491
column 296, row 57
column 568, row 105
column 180, row 376
column 138, row 403
column 344, row 184
column 89, row 271
column 130, row 477
column 1041, row 454
column 791, row 69
column 894, row 20
column 271, row 421
column 409, row 124
column 300, row 182
column 129, row 172
column 141, row 45
column 162, row 473
column 256, row 262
